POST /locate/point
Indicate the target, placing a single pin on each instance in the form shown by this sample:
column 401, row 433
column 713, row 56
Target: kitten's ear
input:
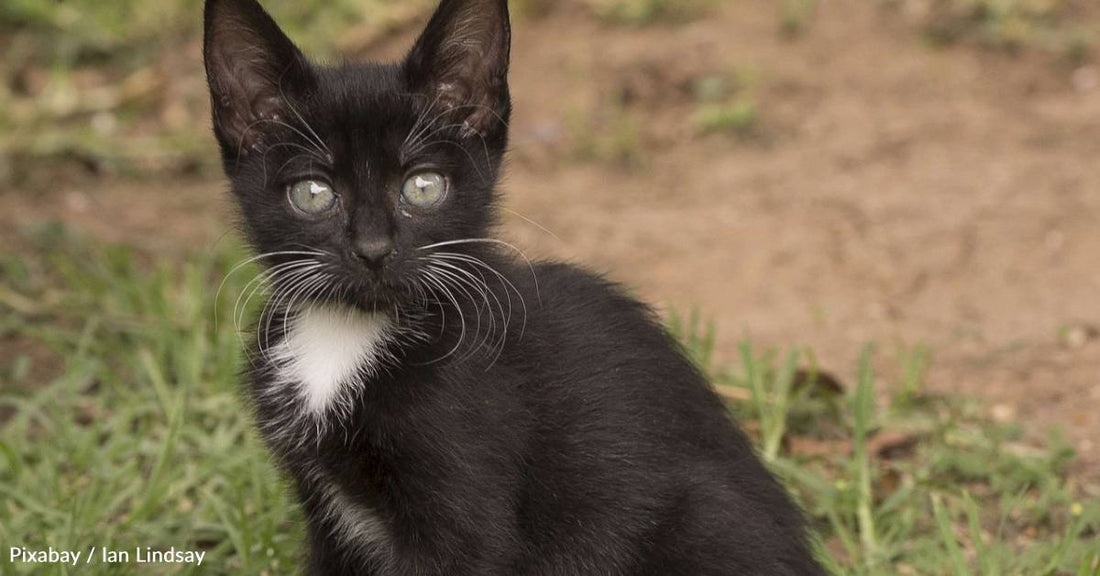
column 461, row 62
column 251, row 67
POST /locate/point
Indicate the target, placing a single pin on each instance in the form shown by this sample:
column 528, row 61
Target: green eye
column 424, row 189
column 312, row 197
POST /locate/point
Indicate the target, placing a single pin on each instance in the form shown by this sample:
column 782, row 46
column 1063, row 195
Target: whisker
column 306, row 288
column 481, row 286
column 263, row 278
column 433, row 280
column 317, row 140
column 419, row 126
column 291, row 282
column 246, row 262
column 532, row 222
column 464, row 151
column 494, row 241
column 419, row 145
column 504, row 281
column 460, row 284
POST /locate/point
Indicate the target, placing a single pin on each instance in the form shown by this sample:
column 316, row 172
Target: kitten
column 443, row 406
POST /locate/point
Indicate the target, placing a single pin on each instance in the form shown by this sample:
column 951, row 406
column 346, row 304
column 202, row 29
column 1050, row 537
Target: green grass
column 609, row 133
column 648, row 12
column 796, row 16
column 739, row 118
column 906, row 482
column 726, row 103
column 140, row 438
column 126, row 429
column 116, row 86
column 1058, row 26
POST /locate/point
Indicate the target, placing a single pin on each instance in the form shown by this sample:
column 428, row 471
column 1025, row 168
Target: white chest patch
column 325, row 351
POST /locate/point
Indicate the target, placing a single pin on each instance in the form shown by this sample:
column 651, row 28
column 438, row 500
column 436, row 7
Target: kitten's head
column 349, row 173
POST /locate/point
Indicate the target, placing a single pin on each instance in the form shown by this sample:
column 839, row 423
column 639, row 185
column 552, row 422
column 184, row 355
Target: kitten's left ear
column 461, row 63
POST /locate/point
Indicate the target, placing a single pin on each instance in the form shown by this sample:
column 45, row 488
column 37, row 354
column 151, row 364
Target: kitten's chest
column 317, row 371
column 326, row 355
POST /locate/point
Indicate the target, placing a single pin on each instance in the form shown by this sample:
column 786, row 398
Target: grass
column 610, row 134
column 116, row 86
column 125, row 428
column 726, row 103
column 796, row 16
column 1056, row 26
column 648, row 12
column 140, row 438
column 738, row 117
column 122, row 425
column 906, row 482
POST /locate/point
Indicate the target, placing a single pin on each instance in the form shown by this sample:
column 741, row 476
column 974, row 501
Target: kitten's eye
column 312, row 197
column 425, row 189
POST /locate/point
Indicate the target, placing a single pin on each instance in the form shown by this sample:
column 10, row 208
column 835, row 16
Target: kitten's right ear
column 251, row 67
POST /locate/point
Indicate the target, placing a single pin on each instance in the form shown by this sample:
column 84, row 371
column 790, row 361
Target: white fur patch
column 355, row 524
column 325, row 350
column 352, row 523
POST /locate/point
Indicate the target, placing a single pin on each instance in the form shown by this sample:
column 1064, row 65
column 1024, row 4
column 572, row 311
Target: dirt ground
column 895, row 194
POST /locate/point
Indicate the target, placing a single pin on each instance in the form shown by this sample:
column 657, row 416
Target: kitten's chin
column 370, row 299
column 374, row 302
column 375, row 305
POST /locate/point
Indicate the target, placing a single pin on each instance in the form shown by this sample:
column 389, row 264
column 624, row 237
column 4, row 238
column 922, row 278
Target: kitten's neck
column 329, row 364
column 309, row 378
column 329, row 351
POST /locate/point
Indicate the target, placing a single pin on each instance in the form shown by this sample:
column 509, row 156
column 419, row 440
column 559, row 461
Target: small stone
column 1004, row 413
column 1079, row 336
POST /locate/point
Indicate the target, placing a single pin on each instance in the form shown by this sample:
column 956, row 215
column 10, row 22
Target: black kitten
column 444, row 407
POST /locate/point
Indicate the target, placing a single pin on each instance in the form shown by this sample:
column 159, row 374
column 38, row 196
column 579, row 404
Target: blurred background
column 872, row 222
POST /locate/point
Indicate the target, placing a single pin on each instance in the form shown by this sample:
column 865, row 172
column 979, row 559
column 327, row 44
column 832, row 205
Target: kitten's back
column 638, row 441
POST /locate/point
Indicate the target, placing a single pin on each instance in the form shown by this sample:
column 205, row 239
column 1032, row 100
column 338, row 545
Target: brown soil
column 893, row 194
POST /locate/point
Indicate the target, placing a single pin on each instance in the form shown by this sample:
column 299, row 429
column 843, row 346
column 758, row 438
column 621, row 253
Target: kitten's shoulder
column 590, row 308
column 576, row 288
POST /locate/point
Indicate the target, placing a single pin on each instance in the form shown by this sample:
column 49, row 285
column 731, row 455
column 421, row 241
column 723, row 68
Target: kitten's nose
column 374, row 252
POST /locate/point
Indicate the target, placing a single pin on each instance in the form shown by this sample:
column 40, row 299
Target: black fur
column 576, row 439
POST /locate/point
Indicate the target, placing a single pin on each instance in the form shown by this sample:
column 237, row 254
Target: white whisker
column 494, row 241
